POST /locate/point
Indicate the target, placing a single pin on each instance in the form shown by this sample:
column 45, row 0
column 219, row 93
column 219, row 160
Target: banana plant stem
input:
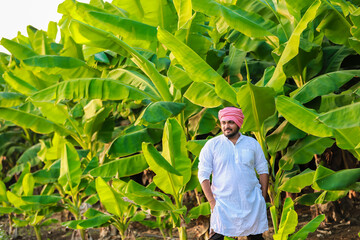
column 37, row 232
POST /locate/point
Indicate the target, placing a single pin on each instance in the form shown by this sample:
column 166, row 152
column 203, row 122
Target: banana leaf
column 11, row 99
column 335, row 118
column 130, row 143
column 257, row 103
column 301, row 117
column 281, row 137
column 203, row 94
column 303, row 151
column 94, row 88
column 298, row 182
column 19, row 51
column 323, row 84
column 184, row 11
column 122, row 167
column 111, row 199
column 196, row 67
column 292, row 47
column 308, row 228
column 70, row 170
column 91, row 36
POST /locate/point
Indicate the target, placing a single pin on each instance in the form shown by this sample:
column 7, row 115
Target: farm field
column 101, row 131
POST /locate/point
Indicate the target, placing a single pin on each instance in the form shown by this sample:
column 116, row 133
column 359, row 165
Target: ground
column 346, row 229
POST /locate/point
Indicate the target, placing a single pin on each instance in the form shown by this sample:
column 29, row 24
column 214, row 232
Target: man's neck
column 234, row 139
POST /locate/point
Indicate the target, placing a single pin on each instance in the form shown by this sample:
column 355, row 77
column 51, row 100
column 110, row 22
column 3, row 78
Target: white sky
column 16, row 15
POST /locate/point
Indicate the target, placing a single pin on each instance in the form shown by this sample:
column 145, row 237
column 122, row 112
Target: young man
column 236, row 196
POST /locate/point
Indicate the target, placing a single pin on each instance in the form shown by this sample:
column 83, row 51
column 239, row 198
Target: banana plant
column 35, row 210
column 172, row 169
column 289, row 221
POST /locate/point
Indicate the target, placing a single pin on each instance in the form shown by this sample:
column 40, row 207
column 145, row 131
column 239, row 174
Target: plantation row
column 136, row 85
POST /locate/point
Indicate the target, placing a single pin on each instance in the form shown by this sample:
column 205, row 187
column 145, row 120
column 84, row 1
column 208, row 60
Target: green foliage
column 136, row 85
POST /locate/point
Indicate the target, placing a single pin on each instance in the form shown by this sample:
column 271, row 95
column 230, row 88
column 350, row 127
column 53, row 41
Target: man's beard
column 232, row 134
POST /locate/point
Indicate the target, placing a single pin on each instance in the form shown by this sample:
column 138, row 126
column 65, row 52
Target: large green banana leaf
column 91, row 36
column 93, row 222
column 42, row 199
column 41, row 43
column 11, row 99
column 134, row 32
column 52, row 62
column 196, row 67
column 167, row 178
column 130, row 143
column 250, row 24
column 155, row 13
column 308, row 228
column 301, row 117
column 56, row 113
column 122, row 167
column 18, row 50
column 292, row 47
column 28, row 184
column 70, row 171
column 340, row 180
column 68, row 67
column 281, row 137
column 184, row 11
column 145, row 197
column 135, row 79
column 90, row 88
column 195, row 146
column 323, row 84
column 257, row 103
column 335, row 26
column 27, row 120
column 203, row 94
column 289, row 221
column 111, row 199
column 19, row 84
column 94, row 124
column 349, row 139
column 159, row 111
column 303, row 151
column 343, row 117
column 174, row 148
column 298, row 182
column 178, row 77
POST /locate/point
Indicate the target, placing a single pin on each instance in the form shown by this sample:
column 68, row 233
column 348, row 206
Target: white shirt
column 240, row 208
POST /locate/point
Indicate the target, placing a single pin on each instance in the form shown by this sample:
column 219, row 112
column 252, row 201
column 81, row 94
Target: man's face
column 229, row 128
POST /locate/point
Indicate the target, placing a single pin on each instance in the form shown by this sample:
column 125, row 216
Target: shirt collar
column 237, row 141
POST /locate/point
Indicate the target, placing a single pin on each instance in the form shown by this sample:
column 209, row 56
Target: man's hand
column 264, row 181
column 208, row 193
column 212, row 204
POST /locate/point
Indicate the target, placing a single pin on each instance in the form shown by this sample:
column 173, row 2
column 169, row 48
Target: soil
column 347, row 229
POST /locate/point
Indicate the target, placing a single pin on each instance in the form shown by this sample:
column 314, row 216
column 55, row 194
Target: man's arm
column 264, row 181
column 205, row 185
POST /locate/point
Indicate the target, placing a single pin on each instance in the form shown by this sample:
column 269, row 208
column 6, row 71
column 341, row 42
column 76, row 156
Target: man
column 236, row 197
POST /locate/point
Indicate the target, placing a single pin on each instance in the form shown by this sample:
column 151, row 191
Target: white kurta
column 240, row 208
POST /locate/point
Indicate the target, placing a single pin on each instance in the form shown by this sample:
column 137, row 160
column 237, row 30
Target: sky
column 16, row 15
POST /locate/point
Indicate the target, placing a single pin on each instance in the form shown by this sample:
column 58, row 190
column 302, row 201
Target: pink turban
column 232, row 113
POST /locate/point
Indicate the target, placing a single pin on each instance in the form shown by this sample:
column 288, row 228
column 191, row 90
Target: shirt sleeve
column 261, row 164
column 205, row 163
